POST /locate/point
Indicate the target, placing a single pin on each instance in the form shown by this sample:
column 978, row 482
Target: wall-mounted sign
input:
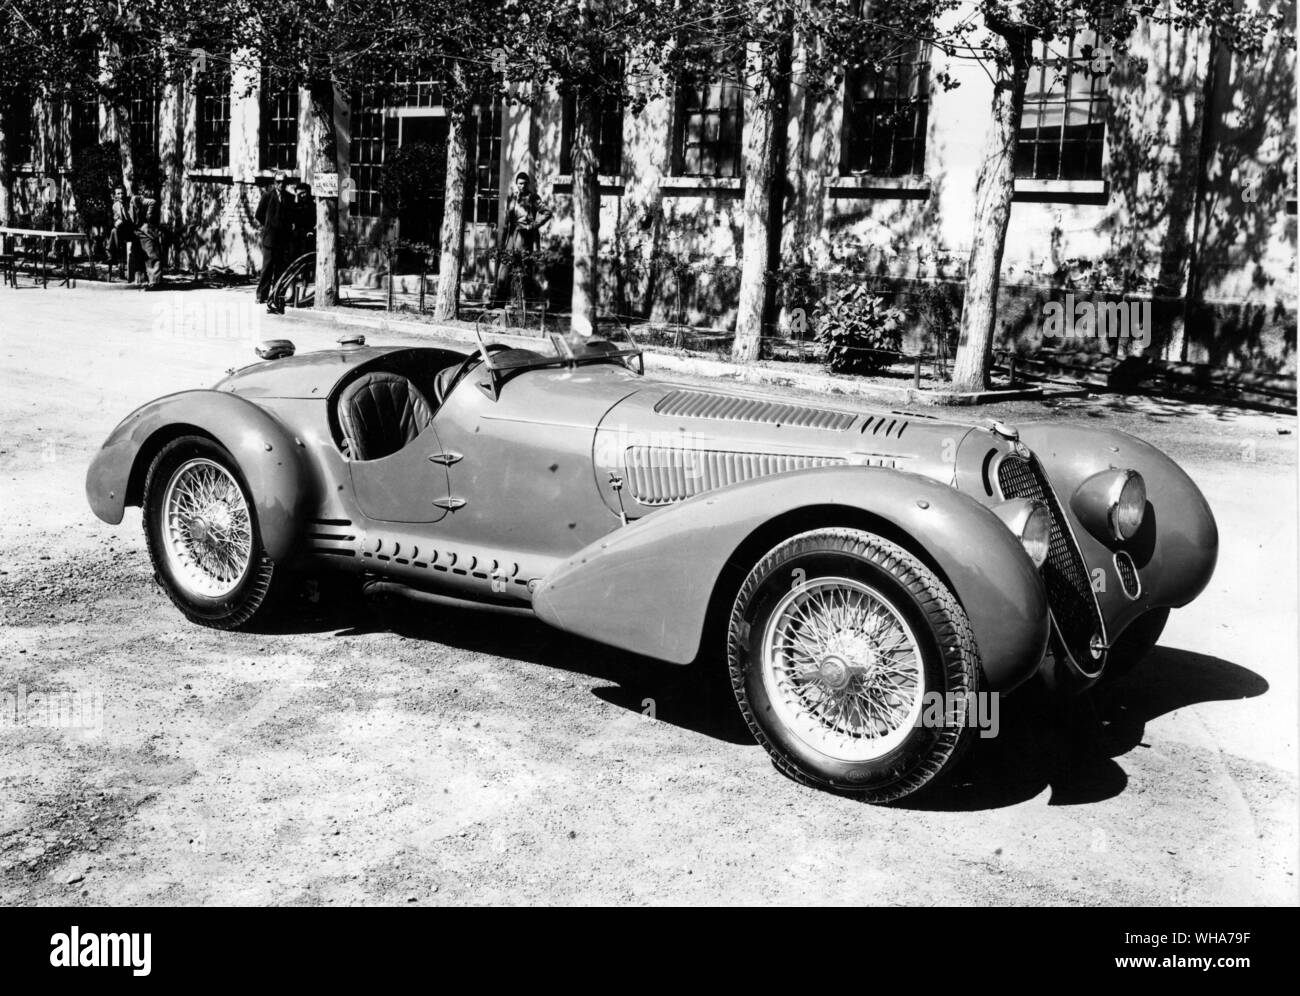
column 325, row 184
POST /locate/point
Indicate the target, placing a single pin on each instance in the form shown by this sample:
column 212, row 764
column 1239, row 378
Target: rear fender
column 648, row 587
column 268, row 456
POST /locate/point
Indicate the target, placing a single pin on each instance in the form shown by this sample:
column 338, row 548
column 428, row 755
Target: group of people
column 287, row 217
column 137, row 220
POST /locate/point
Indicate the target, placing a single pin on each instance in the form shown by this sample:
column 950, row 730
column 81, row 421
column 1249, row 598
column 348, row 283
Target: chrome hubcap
column 843, row 669
column 207, row 530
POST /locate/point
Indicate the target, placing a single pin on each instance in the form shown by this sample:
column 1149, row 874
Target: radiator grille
column 660, row 475
column 1128, row 575
column 1069, row 588
column 729, row 408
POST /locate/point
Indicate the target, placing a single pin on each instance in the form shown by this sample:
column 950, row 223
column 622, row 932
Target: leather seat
column 380, row 413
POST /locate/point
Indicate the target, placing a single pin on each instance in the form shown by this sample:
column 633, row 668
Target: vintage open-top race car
column 846, row 566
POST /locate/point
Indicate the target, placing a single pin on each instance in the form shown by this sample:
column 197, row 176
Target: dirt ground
column 396, row 754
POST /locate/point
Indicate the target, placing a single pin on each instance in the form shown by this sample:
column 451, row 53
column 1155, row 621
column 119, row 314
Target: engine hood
column 669, row 442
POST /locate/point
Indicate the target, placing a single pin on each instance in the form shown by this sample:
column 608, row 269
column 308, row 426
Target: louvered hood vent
column 730, row 408
column 660, row 475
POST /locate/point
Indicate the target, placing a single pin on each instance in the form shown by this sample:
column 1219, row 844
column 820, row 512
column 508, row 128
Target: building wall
column 1197, row 190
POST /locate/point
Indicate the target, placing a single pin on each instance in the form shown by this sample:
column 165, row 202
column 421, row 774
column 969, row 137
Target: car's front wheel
column 853, row 664
column 200, row 525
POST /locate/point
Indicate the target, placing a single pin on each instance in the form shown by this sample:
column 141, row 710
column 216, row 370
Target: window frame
column 609, row 129
column 917, row 63
column 1060, row 92
column 682, row 113
column 213, row 132
column 279, row 108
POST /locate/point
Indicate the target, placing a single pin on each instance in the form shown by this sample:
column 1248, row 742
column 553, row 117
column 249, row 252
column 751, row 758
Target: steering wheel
column 441, row 392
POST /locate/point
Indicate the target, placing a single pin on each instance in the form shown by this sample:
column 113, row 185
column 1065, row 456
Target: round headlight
column 1127, row 511
column 1036, row 533
column 1031, row 521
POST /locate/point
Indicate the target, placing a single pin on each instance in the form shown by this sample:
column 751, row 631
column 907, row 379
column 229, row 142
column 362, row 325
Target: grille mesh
column 729, row 408
column 660, row 475
column 1069, row 591
column 1128, row 575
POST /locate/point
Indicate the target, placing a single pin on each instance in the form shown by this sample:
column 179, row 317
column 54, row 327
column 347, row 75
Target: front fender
column 1176, row 548
column 647, row 587
column 267, row 455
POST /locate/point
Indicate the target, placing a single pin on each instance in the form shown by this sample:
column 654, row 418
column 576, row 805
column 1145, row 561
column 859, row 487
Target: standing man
column 520, row 236
column 275, row 214
column 148, row 232
column 123, row 230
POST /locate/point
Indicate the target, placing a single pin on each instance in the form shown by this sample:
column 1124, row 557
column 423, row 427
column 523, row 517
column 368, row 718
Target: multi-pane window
column 278, row 136
column 708, row 126
column 212, row 85
column 142, row 106
column 416, row 86
column 375, row 136
column 366, row 155
column 486, row 162
column 607, row 141
column 1063, row 130
column 886, row 108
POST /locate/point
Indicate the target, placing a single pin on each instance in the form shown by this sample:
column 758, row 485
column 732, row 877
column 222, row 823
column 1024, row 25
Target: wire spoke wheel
column 843, row 668
column 838, row 643
column 207, row 531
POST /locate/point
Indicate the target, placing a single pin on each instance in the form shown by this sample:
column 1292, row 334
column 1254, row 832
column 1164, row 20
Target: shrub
column 861, row 334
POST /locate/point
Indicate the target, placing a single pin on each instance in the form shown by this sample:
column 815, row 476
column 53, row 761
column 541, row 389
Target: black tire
column 940, row 636
column 1134, row 644
column 254, row 586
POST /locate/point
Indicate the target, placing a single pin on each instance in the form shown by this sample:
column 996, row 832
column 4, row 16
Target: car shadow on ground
column 1071, row 746
column 691, row 697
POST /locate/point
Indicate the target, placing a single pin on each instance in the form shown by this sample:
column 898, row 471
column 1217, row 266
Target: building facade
column 1166, row 175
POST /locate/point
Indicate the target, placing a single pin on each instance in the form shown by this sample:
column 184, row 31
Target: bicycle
column 297, row 282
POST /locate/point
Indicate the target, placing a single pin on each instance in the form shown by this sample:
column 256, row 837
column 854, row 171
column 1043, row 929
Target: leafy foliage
column 861, row 333
column 412, row 177
column 95, row 172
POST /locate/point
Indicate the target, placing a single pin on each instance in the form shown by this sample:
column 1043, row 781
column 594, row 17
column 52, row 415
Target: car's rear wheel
column 200, row 525
column 853, row 664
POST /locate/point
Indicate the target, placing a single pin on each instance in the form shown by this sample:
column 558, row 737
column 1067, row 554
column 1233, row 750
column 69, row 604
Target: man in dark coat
column 275, row 213
column 148, row 233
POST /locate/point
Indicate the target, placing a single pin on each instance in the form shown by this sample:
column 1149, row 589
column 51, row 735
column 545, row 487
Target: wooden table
column 48, row 240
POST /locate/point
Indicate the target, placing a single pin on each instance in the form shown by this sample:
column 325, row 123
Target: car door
column 410, row 485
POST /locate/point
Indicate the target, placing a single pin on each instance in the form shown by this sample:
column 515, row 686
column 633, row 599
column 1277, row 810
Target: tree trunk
column 323, row 143
column 453, row 215
column 758, row 197
column 762, row 137
column 125, row 147
column 993, row 193
column 586, row 216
